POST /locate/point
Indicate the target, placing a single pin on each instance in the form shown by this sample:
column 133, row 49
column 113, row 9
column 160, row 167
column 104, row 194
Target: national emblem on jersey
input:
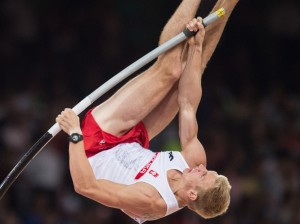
column 154, row 173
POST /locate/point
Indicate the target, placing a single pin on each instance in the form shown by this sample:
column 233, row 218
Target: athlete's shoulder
column 194, row 153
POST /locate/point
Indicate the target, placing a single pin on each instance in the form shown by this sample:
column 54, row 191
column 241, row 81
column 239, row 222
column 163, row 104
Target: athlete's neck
column 177, row 187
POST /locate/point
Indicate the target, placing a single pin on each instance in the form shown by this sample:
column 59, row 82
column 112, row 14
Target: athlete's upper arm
column 188, row 127
column 115, row 195
column 192, row 149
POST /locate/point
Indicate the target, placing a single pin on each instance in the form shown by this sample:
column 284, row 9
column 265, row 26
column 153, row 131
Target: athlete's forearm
column 81, row 171
column 189, row 87
column 215, row 30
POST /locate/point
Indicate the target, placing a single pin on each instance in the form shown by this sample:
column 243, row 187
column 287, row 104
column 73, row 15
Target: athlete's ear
column 193, row 195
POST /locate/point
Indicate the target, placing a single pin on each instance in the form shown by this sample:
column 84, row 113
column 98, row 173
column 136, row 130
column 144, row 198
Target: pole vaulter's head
column 208, row 192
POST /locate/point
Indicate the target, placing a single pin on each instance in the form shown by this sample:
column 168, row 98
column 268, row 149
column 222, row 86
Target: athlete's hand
column 69, row 121
column 195, row 25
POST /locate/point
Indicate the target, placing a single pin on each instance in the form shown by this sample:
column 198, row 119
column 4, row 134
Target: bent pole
column 87, row 101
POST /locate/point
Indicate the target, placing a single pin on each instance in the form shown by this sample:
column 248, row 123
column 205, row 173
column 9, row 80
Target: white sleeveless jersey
column 130, row 163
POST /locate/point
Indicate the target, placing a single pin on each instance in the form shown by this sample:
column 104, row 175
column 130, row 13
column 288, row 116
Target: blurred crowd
column 54, row 53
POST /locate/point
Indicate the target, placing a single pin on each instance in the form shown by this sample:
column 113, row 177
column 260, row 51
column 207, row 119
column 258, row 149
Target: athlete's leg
column 164, row 113
column 214, row 31
column 136, row 99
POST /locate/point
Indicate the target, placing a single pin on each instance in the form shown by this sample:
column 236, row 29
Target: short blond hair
column 213, row 201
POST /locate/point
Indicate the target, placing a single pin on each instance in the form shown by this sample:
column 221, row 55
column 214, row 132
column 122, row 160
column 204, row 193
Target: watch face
column 75, row 137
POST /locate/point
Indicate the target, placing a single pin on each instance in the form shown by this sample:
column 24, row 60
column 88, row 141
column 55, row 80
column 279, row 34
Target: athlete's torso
column 131, row 164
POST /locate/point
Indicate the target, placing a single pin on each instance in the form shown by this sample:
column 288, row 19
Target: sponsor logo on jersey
column 146, row 167
column 171, row 157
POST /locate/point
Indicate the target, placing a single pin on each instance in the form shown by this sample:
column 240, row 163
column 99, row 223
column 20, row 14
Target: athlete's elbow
column 78, row 189
column 85, row 191
column 83, row 188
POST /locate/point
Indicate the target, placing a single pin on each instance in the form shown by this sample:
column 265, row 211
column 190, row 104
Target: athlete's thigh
column 134, row 101
column 159, row 118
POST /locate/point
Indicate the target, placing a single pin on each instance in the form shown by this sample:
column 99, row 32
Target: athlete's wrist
column 75, row 130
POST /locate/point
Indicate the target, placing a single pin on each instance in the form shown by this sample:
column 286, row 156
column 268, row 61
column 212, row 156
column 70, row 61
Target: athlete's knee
column 171, row 67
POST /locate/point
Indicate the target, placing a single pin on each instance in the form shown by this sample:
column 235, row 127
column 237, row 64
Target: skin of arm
column 103, row 191
column 189, row 96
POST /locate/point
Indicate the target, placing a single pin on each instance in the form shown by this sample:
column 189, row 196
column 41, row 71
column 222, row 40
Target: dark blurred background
column 54, row 53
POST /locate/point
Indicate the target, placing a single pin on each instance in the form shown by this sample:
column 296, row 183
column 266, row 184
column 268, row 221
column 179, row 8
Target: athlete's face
column 200, row 176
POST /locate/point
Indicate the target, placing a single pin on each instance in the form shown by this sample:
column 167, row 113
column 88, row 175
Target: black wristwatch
column 75, row 138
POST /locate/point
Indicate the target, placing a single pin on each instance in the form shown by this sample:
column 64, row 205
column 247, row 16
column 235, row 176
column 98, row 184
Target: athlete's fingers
column 192, row 25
